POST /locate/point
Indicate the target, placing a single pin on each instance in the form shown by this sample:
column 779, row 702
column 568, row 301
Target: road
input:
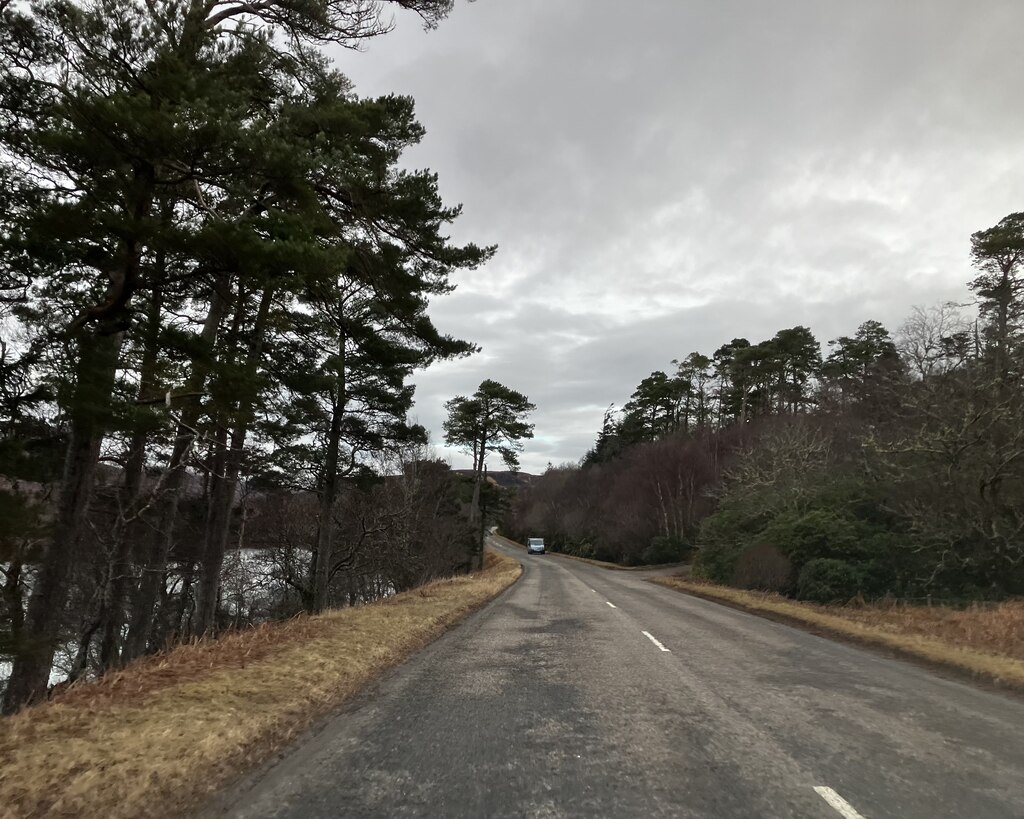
column 583, row 692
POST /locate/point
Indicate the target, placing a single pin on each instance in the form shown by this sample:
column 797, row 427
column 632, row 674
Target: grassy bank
column 161, row 736
column 984, row 641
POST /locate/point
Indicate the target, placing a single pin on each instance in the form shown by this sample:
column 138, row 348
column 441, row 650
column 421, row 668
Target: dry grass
column 987, row 642
column 161, row 736
column 992, row 629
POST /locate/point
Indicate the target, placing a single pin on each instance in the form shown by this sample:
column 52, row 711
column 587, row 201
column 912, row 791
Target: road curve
column 583, row 692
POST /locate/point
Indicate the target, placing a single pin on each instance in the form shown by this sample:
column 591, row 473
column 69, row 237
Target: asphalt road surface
column 583, row 692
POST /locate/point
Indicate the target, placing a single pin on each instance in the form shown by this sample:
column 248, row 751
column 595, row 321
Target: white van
column 535, row 546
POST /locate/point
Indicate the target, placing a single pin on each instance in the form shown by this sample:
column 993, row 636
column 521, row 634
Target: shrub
column 665, row 550
column 577, row 548
column 717, row 562
column 722, row 537
column 763, row 566
column 584, row 548
column 818, row 533
column 824, row 580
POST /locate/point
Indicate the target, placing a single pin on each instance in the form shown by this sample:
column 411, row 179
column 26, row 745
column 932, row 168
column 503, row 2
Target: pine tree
column 492, row 420
column 998, row 254
column 110, row 113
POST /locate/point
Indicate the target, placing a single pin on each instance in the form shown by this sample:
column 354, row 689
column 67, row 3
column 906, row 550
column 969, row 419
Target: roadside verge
column 979, row 643
column 162, row 736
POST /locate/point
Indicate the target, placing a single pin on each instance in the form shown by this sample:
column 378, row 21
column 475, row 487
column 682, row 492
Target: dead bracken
column 986, row 641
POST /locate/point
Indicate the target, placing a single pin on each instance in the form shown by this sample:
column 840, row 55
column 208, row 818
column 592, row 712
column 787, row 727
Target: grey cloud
column 663, row 179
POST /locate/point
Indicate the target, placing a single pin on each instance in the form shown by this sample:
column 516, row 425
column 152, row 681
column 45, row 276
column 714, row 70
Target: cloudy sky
column 663, row 179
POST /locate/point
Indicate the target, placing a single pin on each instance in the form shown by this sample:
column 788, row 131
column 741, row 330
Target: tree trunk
column 90, row 416
column 112, row 610
column 147, row 592
column 219, row 521
column 325, row 527
column 112, row 613
column 13, row 602
column 174, row 622
column 223, row 486
column 81, row 663
column 476, row 557
column 329, row 488
column 1004, row 299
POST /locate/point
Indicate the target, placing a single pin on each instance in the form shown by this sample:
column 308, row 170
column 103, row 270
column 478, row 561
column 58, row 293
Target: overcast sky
column 664, row 175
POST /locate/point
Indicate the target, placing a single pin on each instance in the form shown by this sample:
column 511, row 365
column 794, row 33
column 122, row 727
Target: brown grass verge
column 160, row 737
column 604, row 564
column 986, row 643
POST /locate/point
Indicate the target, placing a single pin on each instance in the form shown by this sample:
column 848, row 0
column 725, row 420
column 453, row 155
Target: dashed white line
column 652, row 638
column 611, row 604
column 843, row 808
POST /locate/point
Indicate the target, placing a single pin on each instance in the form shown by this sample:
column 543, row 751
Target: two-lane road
column 588, row 692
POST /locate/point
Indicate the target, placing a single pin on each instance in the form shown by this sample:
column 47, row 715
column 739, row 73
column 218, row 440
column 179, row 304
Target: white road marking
column 843, row 808
column 651, row 637
column 611, row 604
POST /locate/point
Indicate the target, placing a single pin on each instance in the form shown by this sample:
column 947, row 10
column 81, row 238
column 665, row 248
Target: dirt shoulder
column 162, row 736
column 986, row 643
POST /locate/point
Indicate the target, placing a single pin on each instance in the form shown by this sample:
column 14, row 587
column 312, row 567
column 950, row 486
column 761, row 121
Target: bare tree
column 934, row 340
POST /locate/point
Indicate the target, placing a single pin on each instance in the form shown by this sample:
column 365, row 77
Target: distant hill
column 506, row 480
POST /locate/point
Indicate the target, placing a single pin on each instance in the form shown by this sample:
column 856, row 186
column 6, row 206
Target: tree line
column 214, row 279
column 888, row 464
